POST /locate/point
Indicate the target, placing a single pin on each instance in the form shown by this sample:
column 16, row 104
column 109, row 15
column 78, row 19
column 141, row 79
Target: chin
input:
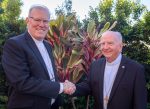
column 41, row 34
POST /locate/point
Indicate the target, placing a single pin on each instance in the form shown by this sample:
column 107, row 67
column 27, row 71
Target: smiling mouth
column 106, row 51
column 41, row 30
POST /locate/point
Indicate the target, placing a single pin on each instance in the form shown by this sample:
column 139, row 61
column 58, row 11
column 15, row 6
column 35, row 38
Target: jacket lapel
column 34, row 48
column 101, row 79
column 49, row 50
column 119, row 76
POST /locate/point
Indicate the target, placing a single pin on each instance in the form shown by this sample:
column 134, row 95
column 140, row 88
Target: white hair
column 116, row 34
column 41, row 7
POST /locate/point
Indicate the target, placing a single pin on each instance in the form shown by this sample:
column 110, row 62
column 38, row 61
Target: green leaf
column 91, row 28
column 105, row 28
column 113, row 25
column 76, row 74
column 74, row 59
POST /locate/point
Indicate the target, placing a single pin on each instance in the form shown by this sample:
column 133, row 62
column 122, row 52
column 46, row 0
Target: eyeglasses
column 39, row 20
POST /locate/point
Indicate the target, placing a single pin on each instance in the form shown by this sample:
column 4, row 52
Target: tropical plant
column 73, row 49
column 65, row 50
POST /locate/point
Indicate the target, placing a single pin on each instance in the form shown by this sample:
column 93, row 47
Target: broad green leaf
column 113, row 25
column 91, row 28
column 105, row 28
column 74, row 59
column 76, row 74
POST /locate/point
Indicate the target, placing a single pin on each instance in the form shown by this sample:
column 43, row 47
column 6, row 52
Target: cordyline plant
column 66, row 51
column 91, row 43
column 74, row 50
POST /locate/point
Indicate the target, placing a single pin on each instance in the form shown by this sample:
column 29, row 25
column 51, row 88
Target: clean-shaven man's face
column 111, row 47
column 38, row 23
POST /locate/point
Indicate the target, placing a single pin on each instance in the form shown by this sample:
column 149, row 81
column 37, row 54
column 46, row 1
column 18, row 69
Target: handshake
column 69, row 87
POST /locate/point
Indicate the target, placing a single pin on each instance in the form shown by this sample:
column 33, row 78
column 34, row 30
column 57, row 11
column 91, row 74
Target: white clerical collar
column 35, row 40
column 116, row 61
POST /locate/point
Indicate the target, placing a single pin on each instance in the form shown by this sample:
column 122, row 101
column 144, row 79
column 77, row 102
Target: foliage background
column 133, row 22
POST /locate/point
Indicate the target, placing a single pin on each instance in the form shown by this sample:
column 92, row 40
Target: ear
column 27, row 20
column 121, row 46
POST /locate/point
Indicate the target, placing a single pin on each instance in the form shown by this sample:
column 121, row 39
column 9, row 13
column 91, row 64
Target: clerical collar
column 37, row 41
column 116, row 61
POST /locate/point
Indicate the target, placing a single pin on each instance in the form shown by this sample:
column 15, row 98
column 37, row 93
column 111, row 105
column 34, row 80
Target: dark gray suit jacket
column 128, row 91
column 29, row 84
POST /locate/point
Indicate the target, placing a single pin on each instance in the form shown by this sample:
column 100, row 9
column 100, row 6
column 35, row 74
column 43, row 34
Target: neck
column 110, row 60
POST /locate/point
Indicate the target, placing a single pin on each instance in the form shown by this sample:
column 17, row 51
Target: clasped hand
column 69, row 87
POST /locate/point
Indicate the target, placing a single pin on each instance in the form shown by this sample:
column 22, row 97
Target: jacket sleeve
column 140, row 91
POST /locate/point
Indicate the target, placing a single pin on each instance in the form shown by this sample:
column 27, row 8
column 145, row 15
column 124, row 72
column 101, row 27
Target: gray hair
column 116, row 33
column 41, row 7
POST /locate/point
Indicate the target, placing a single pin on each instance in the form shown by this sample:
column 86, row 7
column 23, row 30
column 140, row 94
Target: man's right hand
column 69, row 87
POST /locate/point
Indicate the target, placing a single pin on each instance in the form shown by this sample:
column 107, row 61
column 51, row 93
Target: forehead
column 39, row 13
column 109, row 37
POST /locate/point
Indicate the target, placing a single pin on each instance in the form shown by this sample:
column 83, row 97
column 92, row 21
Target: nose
column 41, row 23
column 104, row 46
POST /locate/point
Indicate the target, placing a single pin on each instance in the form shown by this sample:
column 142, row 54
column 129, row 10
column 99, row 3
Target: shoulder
column 99, row 61
column 132, row 63
column 14, row 42
column 17, row 38
column 47, row 44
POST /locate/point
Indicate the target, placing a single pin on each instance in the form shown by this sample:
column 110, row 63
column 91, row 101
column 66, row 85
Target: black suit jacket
column 30, row 86
column 128, row 91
